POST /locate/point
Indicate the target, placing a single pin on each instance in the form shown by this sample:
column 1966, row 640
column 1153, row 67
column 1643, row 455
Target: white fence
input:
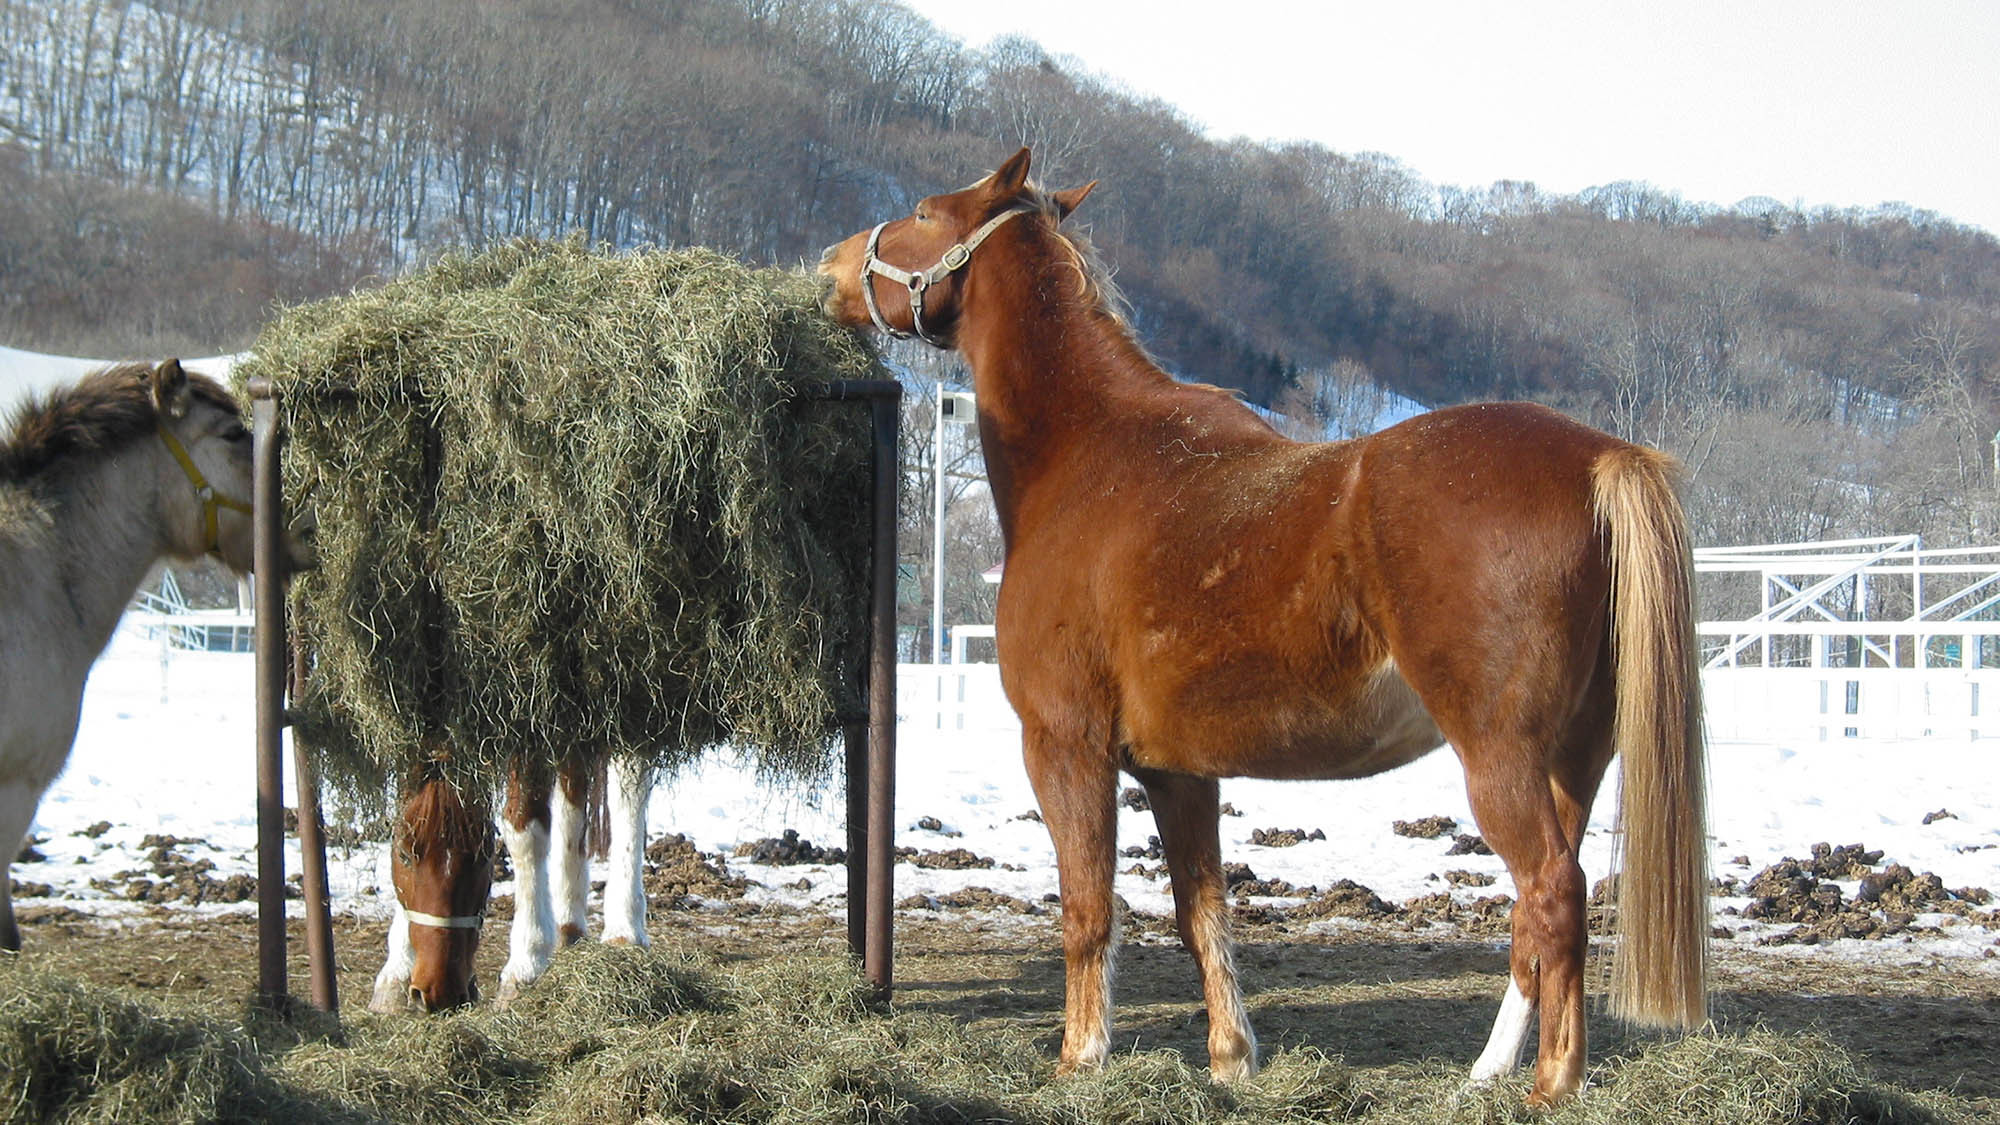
column 1859, row 638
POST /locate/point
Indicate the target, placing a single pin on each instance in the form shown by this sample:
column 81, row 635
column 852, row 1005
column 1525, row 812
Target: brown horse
column 441, row 861
column 1190, row 596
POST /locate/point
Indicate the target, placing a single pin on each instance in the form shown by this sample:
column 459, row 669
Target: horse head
column 442, row 865
column 907, row 277
column 205, row 469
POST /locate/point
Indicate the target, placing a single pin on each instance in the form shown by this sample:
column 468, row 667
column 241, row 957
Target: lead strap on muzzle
column 954, row 259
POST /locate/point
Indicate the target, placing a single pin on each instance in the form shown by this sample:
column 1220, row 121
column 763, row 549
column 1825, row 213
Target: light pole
column 952, row 406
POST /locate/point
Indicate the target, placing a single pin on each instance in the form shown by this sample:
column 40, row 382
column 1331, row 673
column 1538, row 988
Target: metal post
column 871, row 760
column 268, row 561
column 876, row 961
column 857, row 839
column 312, row 861
column 937, row 529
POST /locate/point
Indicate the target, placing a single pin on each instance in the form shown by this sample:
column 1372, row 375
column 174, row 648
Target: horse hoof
column 390, row 999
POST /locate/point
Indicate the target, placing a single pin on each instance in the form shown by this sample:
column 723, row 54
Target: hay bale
column 574, row 502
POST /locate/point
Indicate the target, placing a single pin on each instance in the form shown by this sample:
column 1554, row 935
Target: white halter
column 954, row 259
column 454, row 922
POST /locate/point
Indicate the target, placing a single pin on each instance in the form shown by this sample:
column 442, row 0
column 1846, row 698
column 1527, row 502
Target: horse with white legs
column 1191, row 596
column 442, row 864
column 99, row 481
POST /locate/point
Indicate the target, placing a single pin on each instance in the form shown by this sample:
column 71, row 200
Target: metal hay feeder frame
column 870, row 744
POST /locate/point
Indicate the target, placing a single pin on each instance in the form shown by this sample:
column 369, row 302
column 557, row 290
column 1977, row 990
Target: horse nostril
column 826, row 255
column 417, row 1000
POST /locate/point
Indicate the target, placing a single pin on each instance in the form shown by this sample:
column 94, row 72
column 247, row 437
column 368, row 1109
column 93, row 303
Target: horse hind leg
column 1078, row 797
column 1520, row 822
column 525, row 827
column 1188, row 812
column 569, row 866
column 629, row 785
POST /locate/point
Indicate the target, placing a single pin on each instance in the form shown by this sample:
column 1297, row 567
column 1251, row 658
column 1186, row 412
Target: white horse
column 442, row 865
column 99, row 480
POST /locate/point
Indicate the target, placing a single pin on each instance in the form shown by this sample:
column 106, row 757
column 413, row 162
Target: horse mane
column 1094, row 278
column 97, row 414
column 437, row 813
column 1102, row 295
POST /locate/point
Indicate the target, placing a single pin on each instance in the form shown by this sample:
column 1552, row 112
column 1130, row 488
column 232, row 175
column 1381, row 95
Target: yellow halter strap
column 211, row 500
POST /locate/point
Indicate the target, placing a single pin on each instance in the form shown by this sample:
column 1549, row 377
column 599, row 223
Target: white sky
column 1810, row 102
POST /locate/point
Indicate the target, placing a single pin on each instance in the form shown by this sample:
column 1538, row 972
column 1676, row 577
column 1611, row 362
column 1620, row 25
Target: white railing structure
column 1854, row 638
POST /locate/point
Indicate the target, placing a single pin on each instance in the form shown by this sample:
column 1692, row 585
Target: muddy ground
column 1377, row 995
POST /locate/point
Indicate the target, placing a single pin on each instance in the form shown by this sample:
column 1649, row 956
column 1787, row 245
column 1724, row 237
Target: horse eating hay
column 1191, row 596
column 572, row 508
column 99, row 480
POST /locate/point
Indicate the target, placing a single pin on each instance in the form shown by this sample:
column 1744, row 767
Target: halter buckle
column 955, row 257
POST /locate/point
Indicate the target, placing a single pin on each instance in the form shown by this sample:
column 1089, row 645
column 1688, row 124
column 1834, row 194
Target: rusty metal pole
column 856, row 735
column 877, row 960
column 312, row 859
column 267, row 586
column 871, row 748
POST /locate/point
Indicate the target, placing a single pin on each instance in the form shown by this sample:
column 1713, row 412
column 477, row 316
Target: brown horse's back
column 1235, row 603
column 1484, row 564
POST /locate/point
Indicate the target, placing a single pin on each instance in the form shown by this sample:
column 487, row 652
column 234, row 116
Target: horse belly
column 1295, row 734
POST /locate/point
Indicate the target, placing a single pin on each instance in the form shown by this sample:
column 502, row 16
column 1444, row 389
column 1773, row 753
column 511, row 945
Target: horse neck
column 105, row 534
column 1045, row 359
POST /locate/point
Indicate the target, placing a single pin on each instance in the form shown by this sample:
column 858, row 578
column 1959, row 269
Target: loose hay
column 618, row 1034
column 574, row 502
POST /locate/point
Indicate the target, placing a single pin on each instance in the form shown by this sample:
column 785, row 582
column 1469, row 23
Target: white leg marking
column 630, row 785
column 534, row 934
column 569, row 868
column 1510, row 1030
column 392, row 984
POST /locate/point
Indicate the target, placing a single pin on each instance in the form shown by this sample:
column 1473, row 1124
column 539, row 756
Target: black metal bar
column 312, row 859
column 877, row 960
column 856, row 737
column 871, row 747
column 267, row 585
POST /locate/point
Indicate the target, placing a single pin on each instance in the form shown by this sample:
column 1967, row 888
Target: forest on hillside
column 168, row 170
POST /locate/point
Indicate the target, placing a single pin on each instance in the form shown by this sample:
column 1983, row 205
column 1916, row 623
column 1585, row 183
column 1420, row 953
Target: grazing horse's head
column 442, row 864
column 907, row 276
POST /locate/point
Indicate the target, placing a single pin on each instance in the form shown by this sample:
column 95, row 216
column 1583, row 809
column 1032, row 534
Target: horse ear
column 171, row 397
column 1068, row 201
column 1010, row 178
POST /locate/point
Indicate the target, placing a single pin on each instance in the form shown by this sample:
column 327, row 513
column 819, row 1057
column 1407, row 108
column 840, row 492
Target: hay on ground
column 571, row 502
column 618, row 1034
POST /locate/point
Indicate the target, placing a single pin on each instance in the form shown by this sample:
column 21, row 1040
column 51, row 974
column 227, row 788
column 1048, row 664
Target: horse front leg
column 628, row 788
column 17, row 810
column 392, row 984
column 1077, row 790
column 1187, row 810
column 525, row 826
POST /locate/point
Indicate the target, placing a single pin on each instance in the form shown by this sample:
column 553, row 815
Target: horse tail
column 1659, row 974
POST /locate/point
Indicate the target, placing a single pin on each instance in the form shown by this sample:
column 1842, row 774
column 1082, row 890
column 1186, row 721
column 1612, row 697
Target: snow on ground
column 165, row 747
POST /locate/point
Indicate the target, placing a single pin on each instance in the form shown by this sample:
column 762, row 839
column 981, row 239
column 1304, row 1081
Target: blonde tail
column 1660, row 974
